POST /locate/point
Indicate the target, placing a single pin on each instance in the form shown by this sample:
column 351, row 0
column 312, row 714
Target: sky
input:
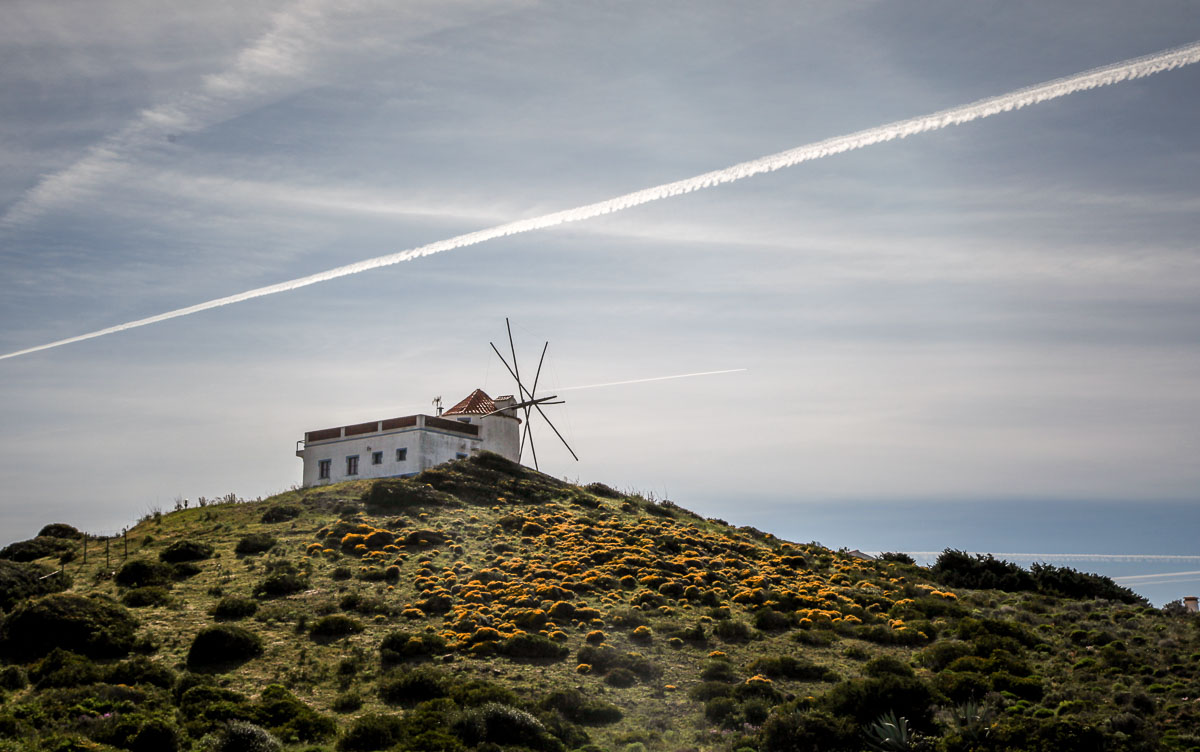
column 992, row 326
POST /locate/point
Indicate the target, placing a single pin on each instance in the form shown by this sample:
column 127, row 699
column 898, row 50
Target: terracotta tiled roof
column 475, row 403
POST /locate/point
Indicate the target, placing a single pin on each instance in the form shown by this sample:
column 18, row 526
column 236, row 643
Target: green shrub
column 864, row 699
column 280, row 513
column 341, row 573
column 254, row 543
column 143, row 573
column 36, row 548
column 185, row 550
column 500, row 724
column 577, row 707
column 347, row 702
column 280, row 584
column 242, row 736
column 722, row 671
column 532, row 647
column 20, row 580
column 962, row 686
column 140, row 670
column 232, row 608
column 92, row 626
column 884, row 665
column 980, row 572
column 789, row 729
column 400, row 646
column 222, row 645
column 789, row 667
column 371, row 732
column 151, row 595
column 942, row 653
column 411, row 687
column 722, row 711
column 398, row 494
column 334, row 626
column 283, row 713
column 620, row 677
column 61, row 668
column 13, row 677
column 60, row 530
column 897, row 557
column 731, row 631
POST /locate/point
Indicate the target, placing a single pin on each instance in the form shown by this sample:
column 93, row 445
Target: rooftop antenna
column 528, row 401
column 437, row 403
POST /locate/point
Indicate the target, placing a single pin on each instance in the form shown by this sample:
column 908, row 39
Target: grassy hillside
column 484, row 606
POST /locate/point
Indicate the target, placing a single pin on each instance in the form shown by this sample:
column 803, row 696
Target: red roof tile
column 475, row 403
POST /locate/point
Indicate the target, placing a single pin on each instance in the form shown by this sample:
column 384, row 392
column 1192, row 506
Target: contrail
column 1135, row 68
column 1158, row 578
column 643, row 381
column 1188, row 558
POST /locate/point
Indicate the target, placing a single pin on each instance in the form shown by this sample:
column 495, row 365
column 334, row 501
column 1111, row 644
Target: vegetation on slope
column 483, row 606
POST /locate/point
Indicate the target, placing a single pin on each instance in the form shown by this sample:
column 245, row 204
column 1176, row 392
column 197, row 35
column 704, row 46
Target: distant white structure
column 400, row 447
column 1191, row 603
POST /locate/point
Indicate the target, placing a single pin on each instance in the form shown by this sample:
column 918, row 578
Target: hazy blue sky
column 1005, row 311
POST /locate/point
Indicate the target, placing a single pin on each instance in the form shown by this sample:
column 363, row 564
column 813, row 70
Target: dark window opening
column 377, row 458
column 323, row 467
column 402, row 454
column 352, row 465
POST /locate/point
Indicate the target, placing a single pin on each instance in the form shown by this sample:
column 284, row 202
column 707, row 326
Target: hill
column 484, row 606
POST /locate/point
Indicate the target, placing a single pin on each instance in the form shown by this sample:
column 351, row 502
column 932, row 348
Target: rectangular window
column 376, row 458
column 352, row 465
column 462, row 455
column 402, row 454
column 464, row 420
column 323, row 469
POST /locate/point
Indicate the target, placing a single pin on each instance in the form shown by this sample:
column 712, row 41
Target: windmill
column 528, row 401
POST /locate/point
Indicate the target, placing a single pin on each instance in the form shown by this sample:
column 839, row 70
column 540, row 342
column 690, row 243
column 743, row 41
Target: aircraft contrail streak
column 1135, row 68
column 643, row 381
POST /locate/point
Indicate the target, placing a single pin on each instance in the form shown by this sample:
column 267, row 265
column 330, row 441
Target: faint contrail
column 1110, row 74
column 642, row 381
column 1076, row 557
column 1141, row 579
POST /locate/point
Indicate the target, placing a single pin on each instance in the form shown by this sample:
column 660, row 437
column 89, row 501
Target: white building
column 399, row 447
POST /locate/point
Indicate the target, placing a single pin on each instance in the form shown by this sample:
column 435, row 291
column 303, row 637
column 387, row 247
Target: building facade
column 400, row 447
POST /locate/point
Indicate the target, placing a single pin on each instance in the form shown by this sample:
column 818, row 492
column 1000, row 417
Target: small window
column 376, row 458
column 462, row 455
column 464, row 420
column 352, row 465
column 323, row 469
column 402, row 454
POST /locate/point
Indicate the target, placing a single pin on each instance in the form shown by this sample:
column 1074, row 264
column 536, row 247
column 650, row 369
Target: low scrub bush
column 281, row 513
column 243, row 736
column 21, row 580
column 143, row 573
column 60, row 530
column 36, row 548
column 62, row 668
column 143, row 597
column 254, row 543
column 864, row 699
column 411, row 687
column 790, row 667
column 232, row 608
column 280, row 584
column 580, row 708
column 400, row 646
column 503, row 725
column 731, row 631
column 140, row 670
column 370, row 732
column 222, row 645
column 396, row 495
column 185, row 550
column 92, row 626
column 789, row 729
column 283, row 713
column 532, row 647
column 334, row 626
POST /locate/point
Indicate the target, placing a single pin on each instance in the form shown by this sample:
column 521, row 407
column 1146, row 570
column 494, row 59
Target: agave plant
column 889, row 733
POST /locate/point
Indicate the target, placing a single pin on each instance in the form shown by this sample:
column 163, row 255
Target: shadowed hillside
column 484, row 606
